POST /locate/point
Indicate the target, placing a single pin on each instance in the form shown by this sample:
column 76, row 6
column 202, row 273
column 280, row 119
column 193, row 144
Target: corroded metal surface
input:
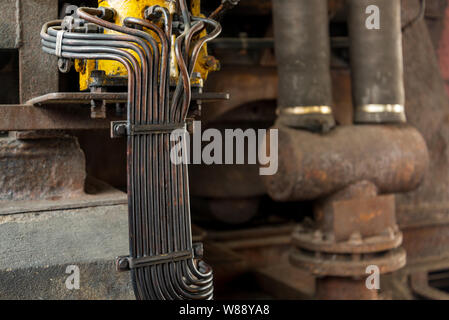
column 244, row 84
column 346, row 265
column 353, row 229
column 360, row 208
column 427, row 109
column 96, row 194
column 335, row 288
column 9, row 24
column 36, row 69
column 41, row 169
column 59, row 117
column 351, row 170
column 107, row 97
column 394, row 158
column 20, row 23
column 423, row 215
column 313, row 240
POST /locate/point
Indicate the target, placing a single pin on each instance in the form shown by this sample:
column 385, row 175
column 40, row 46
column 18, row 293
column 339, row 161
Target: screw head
column 120, row 129
column 123, row 264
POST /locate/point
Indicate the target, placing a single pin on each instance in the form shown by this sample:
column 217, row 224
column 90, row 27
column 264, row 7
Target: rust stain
column 366, row 217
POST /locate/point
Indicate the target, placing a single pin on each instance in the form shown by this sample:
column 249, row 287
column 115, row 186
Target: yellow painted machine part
column 135, row 8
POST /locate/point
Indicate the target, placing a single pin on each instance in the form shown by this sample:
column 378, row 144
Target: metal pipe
column 313, row 166
column 376, row 61
column 302, row 45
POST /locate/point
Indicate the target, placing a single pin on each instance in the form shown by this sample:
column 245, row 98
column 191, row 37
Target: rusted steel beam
column 108, row 97
column 78, row 98
column 20, row 23
column 38, row 73
column 62, row 110
column 41, row 169
column 58, row 117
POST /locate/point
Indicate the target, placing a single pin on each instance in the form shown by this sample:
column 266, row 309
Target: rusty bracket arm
column 123, row 128
column 127, row 263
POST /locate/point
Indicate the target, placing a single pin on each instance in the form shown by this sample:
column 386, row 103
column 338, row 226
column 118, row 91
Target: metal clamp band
column 305, row 110
column 128, row 263
column 122, row 128
column 59, row 38
column 380, row 108
column 155, row 128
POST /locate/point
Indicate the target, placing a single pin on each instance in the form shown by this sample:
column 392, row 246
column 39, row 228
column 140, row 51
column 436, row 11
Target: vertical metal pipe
column 303, row 54
column 377, row 61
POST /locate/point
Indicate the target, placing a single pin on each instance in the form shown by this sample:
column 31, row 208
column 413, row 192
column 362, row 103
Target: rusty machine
column 361, row 115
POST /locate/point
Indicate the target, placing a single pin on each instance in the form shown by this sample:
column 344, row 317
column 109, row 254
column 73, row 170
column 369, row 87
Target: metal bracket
column 128, row 263
column 122, row 128
column 119, row 129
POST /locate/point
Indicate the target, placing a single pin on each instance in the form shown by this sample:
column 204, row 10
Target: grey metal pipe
column 376, row 61
column 302, row 46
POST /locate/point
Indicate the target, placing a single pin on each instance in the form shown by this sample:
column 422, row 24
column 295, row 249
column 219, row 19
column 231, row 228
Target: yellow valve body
column 136, row 8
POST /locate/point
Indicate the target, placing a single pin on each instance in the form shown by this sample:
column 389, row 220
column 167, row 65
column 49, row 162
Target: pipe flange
column 314, row 240
column 347, row 265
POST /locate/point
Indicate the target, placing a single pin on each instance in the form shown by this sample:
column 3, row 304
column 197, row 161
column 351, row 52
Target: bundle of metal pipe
column 162, row 260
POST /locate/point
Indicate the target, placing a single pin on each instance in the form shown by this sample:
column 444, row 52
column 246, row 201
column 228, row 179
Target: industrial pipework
column 157, row 50
column 351, row 171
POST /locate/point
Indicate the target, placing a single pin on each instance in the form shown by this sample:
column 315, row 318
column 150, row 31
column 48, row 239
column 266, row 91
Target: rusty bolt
column 150, row 12
column 122, row 264
column 120, row 129
column 211, row 63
